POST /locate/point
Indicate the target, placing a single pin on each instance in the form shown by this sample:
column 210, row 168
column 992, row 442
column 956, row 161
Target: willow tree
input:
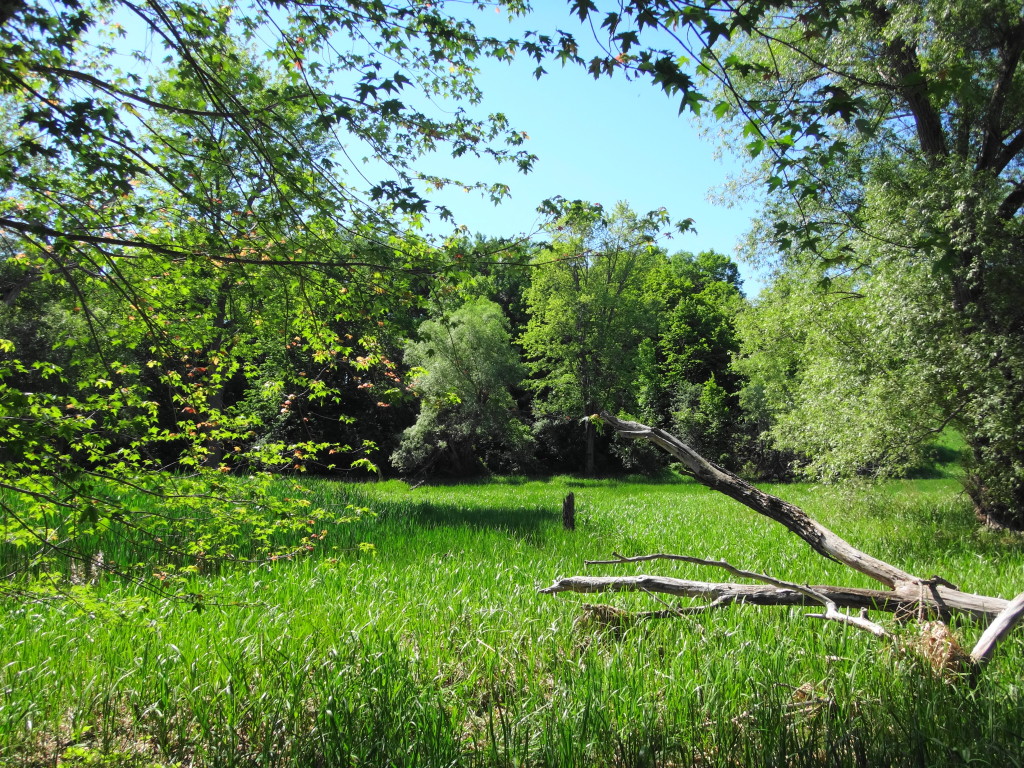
column 463, row 367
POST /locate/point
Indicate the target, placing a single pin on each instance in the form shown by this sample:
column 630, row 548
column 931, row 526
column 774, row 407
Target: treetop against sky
column 601, row 140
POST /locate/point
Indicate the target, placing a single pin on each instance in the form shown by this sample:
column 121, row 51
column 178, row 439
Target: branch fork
column 903, row 592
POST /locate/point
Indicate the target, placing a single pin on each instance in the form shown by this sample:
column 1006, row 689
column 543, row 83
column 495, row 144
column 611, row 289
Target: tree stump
column 569, row 512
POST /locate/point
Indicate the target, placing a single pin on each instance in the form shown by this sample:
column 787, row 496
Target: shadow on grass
column 941, row 461
column 666, row 477
column 522, row 521
column 944, row 457
column 525, row 522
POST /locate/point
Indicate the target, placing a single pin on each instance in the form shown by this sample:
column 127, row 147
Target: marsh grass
column 434, row 648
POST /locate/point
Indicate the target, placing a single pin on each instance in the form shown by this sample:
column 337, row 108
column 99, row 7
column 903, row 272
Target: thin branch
column 114, row 90
column 690, row 610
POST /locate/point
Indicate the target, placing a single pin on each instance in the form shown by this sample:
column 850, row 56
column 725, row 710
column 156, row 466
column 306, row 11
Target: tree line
column 493, row 365
column 201, row 274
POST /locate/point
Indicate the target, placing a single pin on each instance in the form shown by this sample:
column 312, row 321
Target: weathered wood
column 832, row 612
column 929, row 596
column 997, row 630
column 569, row 512
column 977, row 606
column 906, row 594
column 821, row 539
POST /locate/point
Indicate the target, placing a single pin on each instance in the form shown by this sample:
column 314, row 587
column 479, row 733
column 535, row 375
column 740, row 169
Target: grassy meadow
column 435, row 649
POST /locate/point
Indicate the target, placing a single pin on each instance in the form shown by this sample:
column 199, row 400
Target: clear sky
column 598, row 140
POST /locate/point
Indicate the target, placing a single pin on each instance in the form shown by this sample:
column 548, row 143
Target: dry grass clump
column 603, row 615
column 937, row 645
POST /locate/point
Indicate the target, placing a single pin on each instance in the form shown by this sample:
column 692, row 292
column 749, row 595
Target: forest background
column 222, row 269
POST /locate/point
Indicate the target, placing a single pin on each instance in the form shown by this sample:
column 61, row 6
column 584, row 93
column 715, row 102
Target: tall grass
column 435, row 649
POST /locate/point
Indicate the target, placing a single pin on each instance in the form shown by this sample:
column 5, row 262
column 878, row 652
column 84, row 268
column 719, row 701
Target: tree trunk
column 590, row 466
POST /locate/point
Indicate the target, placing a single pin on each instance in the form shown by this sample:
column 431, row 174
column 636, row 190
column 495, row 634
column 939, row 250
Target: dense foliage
column 890, row 144
column 462, row 370
column 201, row 283
column 210, row 269
column 588, row 314
column 214, row 283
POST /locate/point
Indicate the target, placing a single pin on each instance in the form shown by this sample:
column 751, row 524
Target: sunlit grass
column 435, row 648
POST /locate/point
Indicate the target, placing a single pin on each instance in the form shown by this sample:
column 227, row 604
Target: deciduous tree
column 890, row 141
column 170, row 216
column 462, row 368
column 589, row 312
column 694, row 386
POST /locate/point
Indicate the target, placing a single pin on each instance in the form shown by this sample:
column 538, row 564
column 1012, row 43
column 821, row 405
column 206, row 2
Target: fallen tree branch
column 987, row 608
column 907, row 594
column 997, row 630
column 821, row 539
column 923, row 597
column 756, row 594
column 934, row 592
column 832, row 612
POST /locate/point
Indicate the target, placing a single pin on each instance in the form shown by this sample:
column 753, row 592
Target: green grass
column 437, row 650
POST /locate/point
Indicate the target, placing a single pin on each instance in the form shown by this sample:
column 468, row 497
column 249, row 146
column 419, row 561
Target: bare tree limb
column 832, row 612
column 979, row 607
column 998, row 630
column 821, row 539
column 934, row 593
column 907, row 594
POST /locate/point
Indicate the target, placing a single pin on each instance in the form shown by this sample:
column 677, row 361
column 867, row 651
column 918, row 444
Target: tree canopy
column 186, row 200
column 589, row 313
column 889, row 138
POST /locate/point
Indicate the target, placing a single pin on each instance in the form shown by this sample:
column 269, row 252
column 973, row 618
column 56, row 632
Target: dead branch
column 997, row 630
column 907, row 594
column 832, row 612
column 821, row 539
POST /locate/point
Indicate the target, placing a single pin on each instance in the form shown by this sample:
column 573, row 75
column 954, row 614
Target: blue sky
column 602, row 141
